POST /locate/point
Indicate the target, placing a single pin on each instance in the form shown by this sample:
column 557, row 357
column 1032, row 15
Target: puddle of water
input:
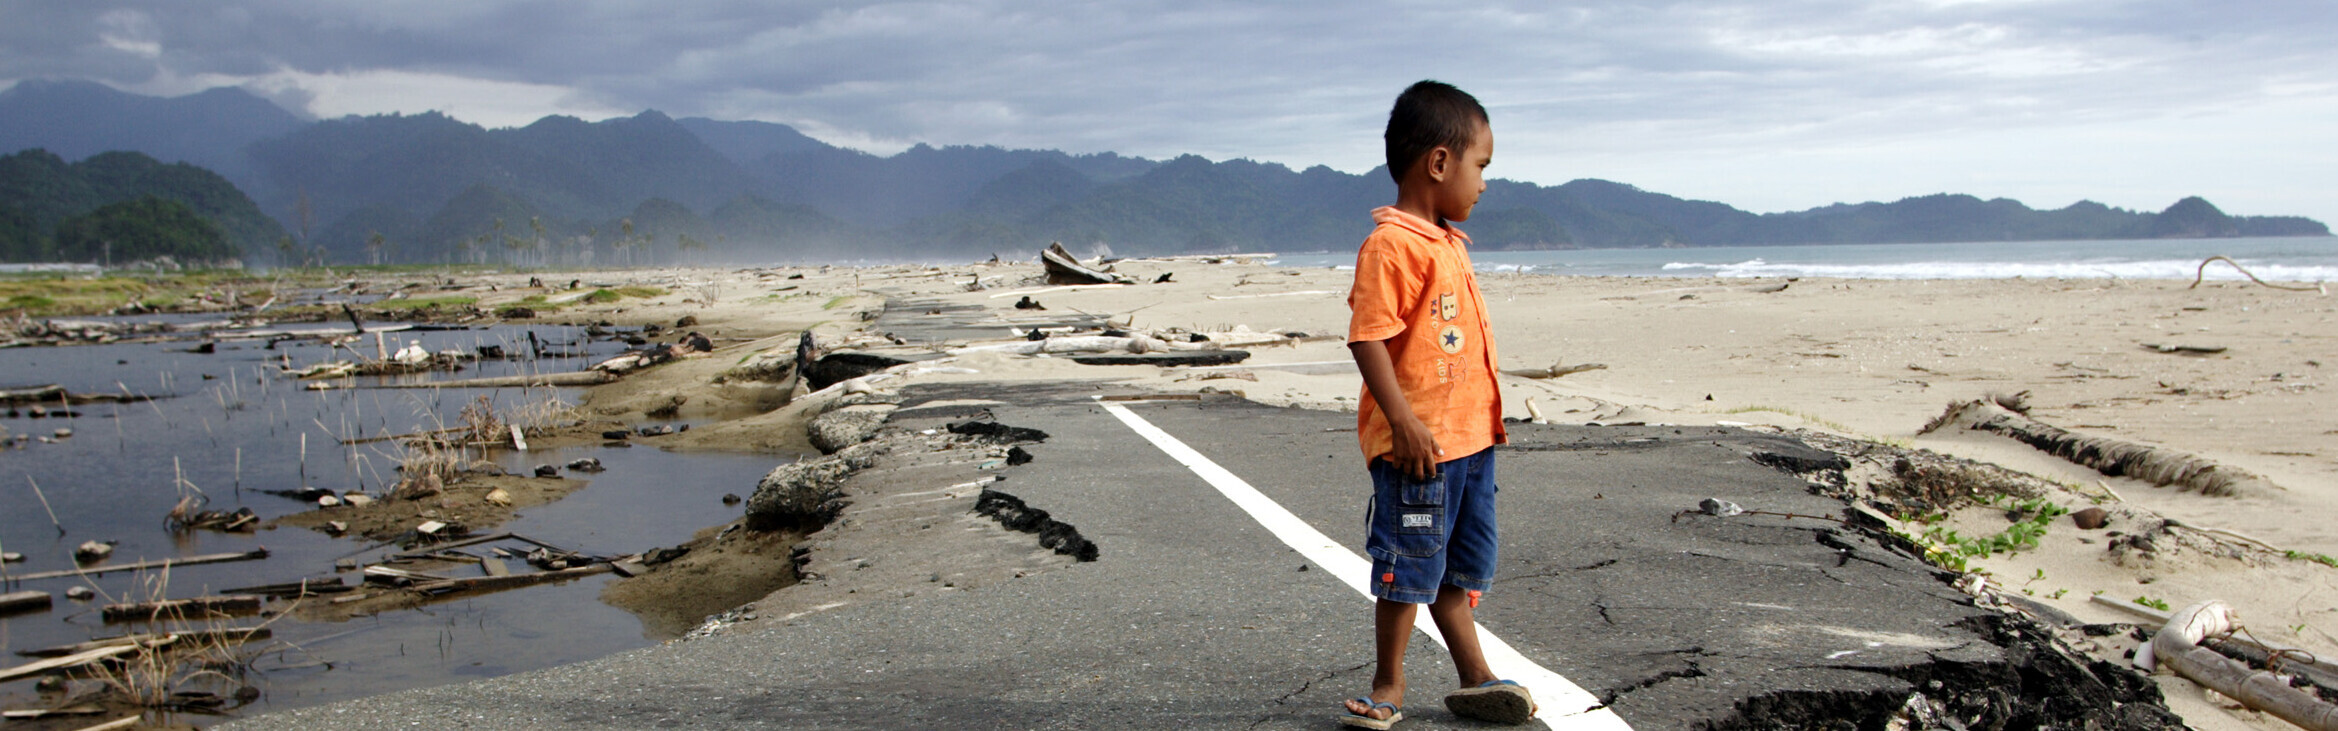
column 241, row 431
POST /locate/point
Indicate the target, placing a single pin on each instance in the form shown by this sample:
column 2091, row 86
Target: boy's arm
column 1416, row 451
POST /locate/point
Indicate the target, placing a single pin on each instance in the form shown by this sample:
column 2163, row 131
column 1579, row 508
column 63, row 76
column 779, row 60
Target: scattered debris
column 92, row 552
column 24, row 601
column 1062, row 268
column 2184, row 349
column 1555, row 370
column 197, row 608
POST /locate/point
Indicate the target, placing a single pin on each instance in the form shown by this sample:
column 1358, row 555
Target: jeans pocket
column 1412, row 493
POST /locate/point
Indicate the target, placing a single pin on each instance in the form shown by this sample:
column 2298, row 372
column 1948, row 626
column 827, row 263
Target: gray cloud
column 1616, row 87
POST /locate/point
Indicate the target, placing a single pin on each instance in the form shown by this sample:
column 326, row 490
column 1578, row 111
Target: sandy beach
column 1865, row 359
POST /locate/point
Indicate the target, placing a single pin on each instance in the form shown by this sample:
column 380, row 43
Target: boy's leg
column 1458, row 623
column 1392, row 634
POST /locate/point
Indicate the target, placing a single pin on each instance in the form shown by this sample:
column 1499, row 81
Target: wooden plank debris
column 303, row 587
column 506, row 582
column 203, row 636
column 119, row 723
column 254, row 554
column 32, row 713
column 35, row 668
column 203, row 606
column 25, row 601
column 472, row 541
column 494, row 567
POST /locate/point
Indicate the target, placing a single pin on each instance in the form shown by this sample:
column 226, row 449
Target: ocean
column 2286, row 259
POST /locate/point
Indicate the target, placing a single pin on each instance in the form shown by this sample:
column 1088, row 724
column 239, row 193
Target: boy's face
column 1465, row 178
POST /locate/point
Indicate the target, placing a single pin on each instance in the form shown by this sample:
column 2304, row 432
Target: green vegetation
column 2022, row 535
column 144, row 229
column 123, row 207
column 2159, row 604
column 2323, row 559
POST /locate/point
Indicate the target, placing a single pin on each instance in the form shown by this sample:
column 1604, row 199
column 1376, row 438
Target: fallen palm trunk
column 1078, row 344
column 2178, row 646
column 2111, row 457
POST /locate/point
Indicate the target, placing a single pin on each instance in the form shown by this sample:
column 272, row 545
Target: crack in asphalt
column 1304, row 687
column 1688, row 656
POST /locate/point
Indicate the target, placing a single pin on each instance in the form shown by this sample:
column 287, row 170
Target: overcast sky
column 1767, row 105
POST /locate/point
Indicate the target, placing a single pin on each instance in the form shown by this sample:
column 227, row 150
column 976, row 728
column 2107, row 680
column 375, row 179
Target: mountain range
column 649, row 188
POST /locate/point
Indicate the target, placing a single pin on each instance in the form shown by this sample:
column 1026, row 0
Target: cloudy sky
column 1767, row 105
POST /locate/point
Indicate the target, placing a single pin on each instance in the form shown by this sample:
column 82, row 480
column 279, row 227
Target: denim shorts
column 1429, row 533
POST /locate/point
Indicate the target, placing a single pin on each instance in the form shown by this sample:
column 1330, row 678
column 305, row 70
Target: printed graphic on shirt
column 1450, row 339
column 1448, row 306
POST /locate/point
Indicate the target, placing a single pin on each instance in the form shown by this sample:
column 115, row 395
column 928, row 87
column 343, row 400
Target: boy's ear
column 1439, row 162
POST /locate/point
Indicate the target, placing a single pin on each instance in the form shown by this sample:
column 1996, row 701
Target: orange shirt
column 1415, row 289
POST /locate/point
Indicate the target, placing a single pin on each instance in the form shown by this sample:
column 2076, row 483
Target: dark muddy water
column 242, row 430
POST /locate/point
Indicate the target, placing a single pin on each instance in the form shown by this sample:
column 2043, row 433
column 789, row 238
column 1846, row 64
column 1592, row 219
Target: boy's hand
column 1416, row 453
column 1414, row 450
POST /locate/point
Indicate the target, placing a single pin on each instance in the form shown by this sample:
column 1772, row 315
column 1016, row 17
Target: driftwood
column 582, row 378
column 2184, row 349
column 2202, row 273
column 1062, row 268
column 1176, row 358
column 2113, row 457
column 203, row 606
column 116, row 724
column 51, row 394
column 301, row 588
column 207, row 636
column 32, row 713
column 469, row 583
column 254, row 554
column 2178, row 646
column 24, row 601
column 1555, row 370
column 35, row 668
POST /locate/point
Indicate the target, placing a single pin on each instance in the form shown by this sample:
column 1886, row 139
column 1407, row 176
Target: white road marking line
column 1564, row 704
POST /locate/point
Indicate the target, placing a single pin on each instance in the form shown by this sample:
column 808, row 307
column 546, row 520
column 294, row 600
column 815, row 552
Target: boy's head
column 1429, row 115
column 1439, row 136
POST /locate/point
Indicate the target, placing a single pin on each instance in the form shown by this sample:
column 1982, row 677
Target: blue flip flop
column 1495, row 701
column 1394, row 715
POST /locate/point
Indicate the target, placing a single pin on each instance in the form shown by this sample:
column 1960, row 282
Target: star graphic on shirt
column 1452, row 339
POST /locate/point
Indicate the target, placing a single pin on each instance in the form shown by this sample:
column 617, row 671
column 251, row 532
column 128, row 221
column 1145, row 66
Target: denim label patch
column 1419, row 520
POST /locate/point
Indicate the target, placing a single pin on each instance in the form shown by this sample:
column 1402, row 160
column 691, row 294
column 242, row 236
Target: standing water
column 227, row 426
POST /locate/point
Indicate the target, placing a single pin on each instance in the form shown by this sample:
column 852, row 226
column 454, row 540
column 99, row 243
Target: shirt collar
column 1418, row 225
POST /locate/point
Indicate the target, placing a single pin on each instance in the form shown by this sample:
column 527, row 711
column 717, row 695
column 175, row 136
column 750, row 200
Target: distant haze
column 1767, row 106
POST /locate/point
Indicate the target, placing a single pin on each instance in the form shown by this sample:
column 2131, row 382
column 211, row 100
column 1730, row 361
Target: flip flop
column 1496, row 701
column 1394, row 715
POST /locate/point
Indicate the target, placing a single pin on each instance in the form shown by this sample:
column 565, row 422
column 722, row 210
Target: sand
column 1870, row 360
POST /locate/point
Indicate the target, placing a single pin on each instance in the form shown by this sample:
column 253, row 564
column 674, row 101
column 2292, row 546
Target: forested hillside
column 121, row 207
column 650, row 189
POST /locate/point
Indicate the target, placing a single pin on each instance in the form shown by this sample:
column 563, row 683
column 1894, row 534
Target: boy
column 1431, row 412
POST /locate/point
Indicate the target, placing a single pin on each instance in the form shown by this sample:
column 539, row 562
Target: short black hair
column 1428, row 115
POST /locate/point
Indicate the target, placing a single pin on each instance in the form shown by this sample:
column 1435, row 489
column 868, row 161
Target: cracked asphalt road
column 1196, row 617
